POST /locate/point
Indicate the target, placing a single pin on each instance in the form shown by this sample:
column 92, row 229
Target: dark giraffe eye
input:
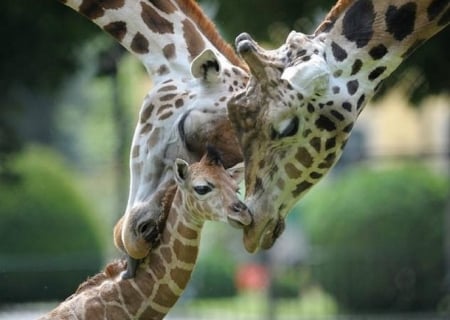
column 288, row 131
column 202, row 190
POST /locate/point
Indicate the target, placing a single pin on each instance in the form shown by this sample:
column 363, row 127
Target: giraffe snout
column 240, row 215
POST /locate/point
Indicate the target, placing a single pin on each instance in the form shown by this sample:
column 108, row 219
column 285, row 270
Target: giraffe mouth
column 263, row 238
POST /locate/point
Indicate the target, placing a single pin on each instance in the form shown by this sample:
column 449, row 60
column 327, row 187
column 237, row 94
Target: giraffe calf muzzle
column 240, row 216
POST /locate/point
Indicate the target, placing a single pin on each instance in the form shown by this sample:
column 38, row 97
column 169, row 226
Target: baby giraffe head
column 210, row 192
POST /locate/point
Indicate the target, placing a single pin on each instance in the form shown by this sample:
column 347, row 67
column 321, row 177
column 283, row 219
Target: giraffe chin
column 263, row 238
column 137, row 249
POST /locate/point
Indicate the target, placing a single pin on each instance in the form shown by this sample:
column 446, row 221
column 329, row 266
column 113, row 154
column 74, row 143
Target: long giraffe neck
column 163, row 34
column 367, row 40
column 158, row 284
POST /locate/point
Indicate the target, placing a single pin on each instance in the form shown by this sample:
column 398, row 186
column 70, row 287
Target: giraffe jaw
column 263, row 238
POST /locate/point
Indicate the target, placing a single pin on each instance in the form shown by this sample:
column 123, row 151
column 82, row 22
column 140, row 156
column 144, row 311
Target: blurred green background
column 373, row 238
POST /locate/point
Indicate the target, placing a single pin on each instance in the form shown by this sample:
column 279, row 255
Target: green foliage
column 214, row 275
column 378, row 238
column 48, row 240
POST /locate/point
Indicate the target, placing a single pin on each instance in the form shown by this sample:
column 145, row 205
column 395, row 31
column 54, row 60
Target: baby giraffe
column 203, row 191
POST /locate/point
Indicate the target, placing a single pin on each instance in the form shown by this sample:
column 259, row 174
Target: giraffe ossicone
column 204, row 191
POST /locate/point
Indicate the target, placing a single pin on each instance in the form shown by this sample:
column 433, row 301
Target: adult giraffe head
column 300, row 105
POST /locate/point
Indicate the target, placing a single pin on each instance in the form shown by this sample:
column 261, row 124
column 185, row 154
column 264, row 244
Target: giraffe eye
column 289, row 130
column 202, row 190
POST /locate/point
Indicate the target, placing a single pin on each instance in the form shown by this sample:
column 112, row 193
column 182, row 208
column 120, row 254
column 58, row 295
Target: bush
column 48, row 241
column 378, row 238
column 214, row 275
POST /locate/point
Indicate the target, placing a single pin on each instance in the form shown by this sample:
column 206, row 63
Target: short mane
column 332, row 16
column 192, row 10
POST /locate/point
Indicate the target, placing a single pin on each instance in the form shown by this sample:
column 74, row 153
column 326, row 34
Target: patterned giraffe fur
column 204, row 191
column 293, row 117
column 181, row 114
column 303, row 99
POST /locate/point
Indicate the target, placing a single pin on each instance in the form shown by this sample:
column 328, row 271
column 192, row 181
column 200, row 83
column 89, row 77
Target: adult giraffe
column 292, row 118
column 194, row 74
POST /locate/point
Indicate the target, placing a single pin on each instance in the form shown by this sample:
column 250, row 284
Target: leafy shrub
column 48, row 241
column 214, row 275
column 378, row 238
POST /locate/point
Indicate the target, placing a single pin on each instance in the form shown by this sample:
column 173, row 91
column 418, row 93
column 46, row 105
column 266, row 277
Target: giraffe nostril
column 148, row 230
column 238, row 207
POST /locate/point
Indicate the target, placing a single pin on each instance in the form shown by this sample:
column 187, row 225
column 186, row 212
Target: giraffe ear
column 237, row 172
column 181, row 171
column 206, row 66
column 309, row 78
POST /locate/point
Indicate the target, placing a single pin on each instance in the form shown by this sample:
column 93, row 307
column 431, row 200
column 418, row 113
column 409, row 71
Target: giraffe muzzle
column 240, row 215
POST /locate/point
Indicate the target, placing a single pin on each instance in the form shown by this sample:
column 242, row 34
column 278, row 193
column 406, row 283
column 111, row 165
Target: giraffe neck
column 164, row 35
column 167, row 270
column 159, row 282
column 367, row 40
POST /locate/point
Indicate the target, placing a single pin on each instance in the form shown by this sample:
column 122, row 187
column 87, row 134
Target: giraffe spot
column 154, row 138
column 347, row 106
column 167, row 88
column 337, row 73
column 112, row 4
column 166, row 254
column 187, row 232
column 164, row 5
column 179, row 103
column 336, row 89
column 435, row 8
column 154, row 21
column 306, row 58
column 358, row 22
column 348, row 128
column 310, row 108
column 328, row 161
column 169, row 51
column 375, row 73
column 180, row 277
column 304, row 157
column 292, row 171
column 315, row 175
column 400, row 21
column 117, row 29
column 184, row 252
column 316, row 143
column 352, row 86
column 139, row 44
column 360, row 102
column 117, row 310
column 378, row 52
column 194, row 40
column 162, row 70
column 356, row 67
column 330, row 143
column 91, row 9
column 301, row 187
column 337, row 115
column 165, row 297
column 167, row 97
column 146, row 112
column 338, row 52
column 301, row 53
column 324, row 123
